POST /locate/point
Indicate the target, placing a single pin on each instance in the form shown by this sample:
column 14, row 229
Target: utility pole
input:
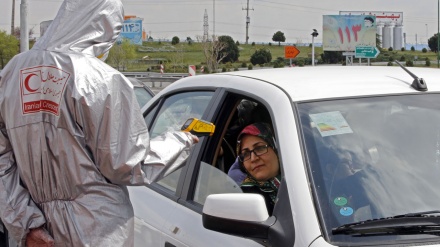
column 13, row 17
column 427, row 37
column 248, row 20
column 205, row 27
column 24, row 34
column 213, row 23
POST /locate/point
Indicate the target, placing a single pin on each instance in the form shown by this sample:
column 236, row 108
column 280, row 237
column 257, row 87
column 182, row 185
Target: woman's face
column 263, row 167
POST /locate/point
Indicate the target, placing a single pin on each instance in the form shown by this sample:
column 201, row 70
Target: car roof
column 318, row 82
column 135, row 82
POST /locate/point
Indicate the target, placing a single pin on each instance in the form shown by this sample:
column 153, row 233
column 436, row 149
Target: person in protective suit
column 72, row 136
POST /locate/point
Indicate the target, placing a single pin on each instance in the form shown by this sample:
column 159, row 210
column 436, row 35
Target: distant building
column 43, row 26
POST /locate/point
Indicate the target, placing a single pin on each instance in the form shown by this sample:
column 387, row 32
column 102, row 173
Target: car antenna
column 418, row 84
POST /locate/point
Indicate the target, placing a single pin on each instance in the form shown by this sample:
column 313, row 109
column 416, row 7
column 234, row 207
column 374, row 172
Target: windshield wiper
column 420, row 222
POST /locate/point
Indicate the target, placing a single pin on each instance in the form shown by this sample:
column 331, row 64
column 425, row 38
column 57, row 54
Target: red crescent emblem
column 26, row 84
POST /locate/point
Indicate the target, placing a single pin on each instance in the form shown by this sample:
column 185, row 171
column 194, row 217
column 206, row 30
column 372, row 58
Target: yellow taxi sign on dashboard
column 198, row 127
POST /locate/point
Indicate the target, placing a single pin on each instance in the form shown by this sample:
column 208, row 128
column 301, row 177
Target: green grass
column 177, row 57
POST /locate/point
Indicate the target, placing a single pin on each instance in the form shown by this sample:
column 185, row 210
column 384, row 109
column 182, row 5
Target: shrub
column 412, row 48
column 424, row 50
column 270, row 43
column 175, row 40
column 402, row 58
column 402, row 49
column 390, row 49
column 409, row 63
column 224, row 69
column 261, row 57
column 243, row 65
column 391, row 59
column 253, row 43
column 279, row 63
column 250, row 67
column 428, row 63
column 390, row 63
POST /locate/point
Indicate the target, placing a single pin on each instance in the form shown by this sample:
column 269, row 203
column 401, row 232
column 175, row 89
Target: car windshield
column 372, row 158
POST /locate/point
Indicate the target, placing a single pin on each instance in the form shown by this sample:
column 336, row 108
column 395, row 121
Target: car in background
column 359, row 149
column 142, row 91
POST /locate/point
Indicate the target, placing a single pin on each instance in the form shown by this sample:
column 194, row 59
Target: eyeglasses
column 258, row 150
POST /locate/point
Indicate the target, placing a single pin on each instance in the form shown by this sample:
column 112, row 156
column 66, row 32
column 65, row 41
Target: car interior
column 236, row 113
column 244, row 112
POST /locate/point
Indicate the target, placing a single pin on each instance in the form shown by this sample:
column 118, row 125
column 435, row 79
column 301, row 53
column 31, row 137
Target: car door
column 170, row 212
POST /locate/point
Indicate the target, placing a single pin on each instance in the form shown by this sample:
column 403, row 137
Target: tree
column 175, row 40
column 432, row 43
column 176, row 59
column 9, row 47
column 121, row 54
column 189, row 40
column 17, row 32
column 279, row 37
column 230, row 51
column 261, row 57
column 211, row 50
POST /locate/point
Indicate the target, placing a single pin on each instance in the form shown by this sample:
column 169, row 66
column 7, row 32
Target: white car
column 359, row 149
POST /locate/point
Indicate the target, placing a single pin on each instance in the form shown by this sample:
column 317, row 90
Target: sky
column 164, row 19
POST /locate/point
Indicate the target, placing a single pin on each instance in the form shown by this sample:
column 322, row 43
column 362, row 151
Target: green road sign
column 366, row 52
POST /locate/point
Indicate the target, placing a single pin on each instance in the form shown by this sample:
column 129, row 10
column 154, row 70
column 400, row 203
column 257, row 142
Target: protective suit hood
column 87, row 26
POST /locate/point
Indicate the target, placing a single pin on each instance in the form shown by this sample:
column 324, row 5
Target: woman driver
column 258, row 158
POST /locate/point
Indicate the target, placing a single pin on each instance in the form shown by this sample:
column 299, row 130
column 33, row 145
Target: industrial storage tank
column 379, row 32
column 398, row 37
column 388, row 35
column 43, row 26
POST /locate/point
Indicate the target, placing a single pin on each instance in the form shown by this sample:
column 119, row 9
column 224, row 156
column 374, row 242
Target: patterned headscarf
column 262, row 130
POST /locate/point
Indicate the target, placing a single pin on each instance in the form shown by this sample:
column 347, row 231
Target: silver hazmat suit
column 72, row 135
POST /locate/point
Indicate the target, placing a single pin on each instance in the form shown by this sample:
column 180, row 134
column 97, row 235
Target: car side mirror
column 237, row 214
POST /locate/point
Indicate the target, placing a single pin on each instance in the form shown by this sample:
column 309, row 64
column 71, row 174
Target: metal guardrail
column 140, row 75
column 156, row 80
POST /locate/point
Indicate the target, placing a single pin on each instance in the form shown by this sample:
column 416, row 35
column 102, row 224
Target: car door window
column 213, row 181
column 177, row 109
column 172, row 115
column 213, row 177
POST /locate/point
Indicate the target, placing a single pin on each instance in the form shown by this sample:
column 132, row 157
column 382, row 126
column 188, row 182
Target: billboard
column 381, row 16
column 132, row 30
column 345, row 32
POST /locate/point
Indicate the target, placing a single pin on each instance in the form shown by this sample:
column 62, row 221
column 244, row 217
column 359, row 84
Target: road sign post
column 366, row 52
column 290, row 52
column 192, row 70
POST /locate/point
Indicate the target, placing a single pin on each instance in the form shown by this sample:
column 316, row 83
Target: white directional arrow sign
column 366, row 52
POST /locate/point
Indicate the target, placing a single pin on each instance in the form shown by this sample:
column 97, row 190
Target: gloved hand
column 39, row 237
column 194, row 139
